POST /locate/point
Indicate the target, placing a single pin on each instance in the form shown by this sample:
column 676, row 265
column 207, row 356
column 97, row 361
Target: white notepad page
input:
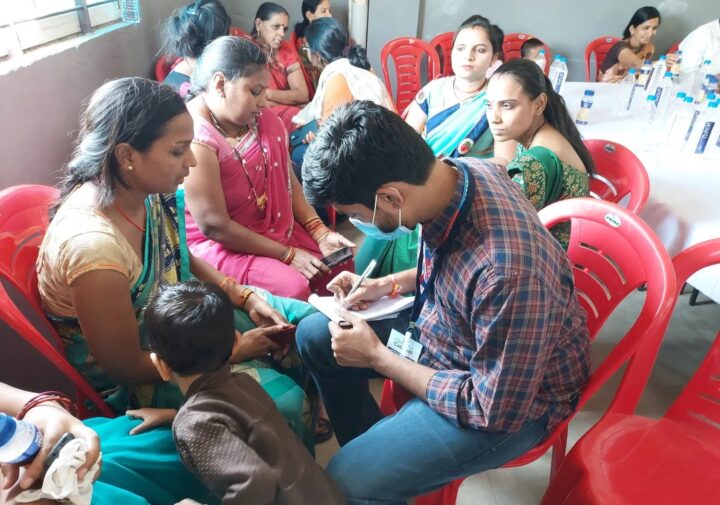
column 384, row 308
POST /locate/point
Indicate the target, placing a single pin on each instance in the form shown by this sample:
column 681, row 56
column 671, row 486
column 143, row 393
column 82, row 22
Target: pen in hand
column 371, row 266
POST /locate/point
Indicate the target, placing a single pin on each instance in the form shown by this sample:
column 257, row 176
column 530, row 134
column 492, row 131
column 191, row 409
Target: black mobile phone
column 338, row 257
column 55, row 451
column 284, row 337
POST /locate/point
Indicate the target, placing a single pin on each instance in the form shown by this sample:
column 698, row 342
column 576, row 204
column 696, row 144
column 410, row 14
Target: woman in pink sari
column 287, row 88
column 247, row 215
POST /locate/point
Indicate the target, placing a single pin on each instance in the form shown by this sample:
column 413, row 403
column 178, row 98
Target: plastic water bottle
column 658, row 71
column 586, row 104
column 704, row 130
column 558, row 73
column 629, row 91
column 677, row 66
column 680, row 122
column 709, row 87
column 649, row 137
column 20, row 441
column 663, row 93
column 645, row 73
column 712, row 150
column 695, row 112
column 541, row 60
column 699, row 79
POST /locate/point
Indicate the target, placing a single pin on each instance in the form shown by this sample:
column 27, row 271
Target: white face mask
column 371, row 229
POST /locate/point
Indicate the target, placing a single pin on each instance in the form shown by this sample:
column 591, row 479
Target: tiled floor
column 685, row 344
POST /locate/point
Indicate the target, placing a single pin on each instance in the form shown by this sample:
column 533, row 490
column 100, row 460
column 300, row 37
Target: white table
column 684, row 203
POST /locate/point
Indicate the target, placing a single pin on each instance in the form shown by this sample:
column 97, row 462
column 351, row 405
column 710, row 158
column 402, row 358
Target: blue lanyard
column 466, row 203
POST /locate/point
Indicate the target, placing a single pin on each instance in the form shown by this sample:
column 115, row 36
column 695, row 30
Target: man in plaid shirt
column 504, row 351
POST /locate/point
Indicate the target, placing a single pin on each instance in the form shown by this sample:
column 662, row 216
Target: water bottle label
column 643, row 78
column 23, row 445
column 558, row 81
column 704, row 136
column 692, row 125
column 658, row 94
column 628, row 105
column 648, row 79
column 583, row 114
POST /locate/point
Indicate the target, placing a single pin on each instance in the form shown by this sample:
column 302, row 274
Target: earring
column 130, row 168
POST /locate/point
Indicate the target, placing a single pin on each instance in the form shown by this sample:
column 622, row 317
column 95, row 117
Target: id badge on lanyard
column 408, row 345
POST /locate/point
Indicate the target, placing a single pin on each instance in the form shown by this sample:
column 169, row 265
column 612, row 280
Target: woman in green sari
column 449, row 112
column 551, row 161
column 116, row 236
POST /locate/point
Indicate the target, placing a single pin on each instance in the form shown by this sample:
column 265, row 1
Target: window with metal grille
column 28, row 24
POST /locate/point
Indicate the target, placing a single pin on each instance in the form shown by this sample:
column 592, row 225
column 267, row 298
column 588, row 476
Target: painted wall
column 243, row 12
column 565, row 25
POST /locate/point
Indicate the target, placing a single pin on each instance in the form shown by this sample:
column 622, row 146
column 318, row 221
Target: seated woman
column 346, row 76
column 137, row 469
column 311, row 10
column 118, row 234
column 186, row 33
column 449, row 113
column 247, row 215
column 552, row 163
column 287, row 88
column 635, row 47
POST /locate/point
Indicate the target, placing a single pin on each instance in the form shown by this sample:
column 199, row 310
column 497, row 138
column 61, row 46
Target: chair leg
column 558, row 453
column 693, row 299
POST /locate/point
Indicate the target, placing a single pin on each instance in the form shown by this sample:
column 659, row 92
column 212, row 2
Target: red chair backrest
column 699, row 402
column 618, row 173
column 408, row 55
column 443, row 44
column 23, row 221
column 512, row 47
column 163, row 66
column 613, row 252
column 600, row 48
column 239, row 32
column 674, row 48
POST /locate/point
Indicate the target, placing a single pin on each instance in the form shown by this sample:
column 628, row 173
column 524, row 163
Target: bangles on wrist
column 47, row 397
column 289, row 256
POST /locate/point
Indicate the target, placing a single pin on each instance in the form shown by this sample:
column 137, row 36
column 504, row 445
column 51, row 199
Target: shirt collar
column 209, row 380
column 437, row 229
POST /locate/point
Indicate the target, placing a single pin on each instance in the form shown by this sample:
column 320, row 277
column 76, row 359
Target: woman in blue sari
column 449, row 112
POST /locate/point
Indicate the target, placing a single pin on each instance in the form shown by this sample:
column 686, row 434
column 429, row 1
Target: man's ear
column 391, row 196
column 162, row 367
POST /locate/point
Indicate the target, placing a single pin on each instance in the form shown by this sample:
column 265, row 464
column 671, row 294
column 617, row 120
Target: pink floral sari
column 276, row 222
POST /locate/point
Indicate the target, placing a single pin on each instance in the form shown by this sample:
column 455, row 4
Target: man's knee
column 313, row 339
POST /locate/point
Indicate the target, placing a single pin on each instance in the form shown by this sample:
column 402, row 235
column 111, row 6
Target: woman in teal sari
column 116, row 236
column 551, row 161
column 449, row 112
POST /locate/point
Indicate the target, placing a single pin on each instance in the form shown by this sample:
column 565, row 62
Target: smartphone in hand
column 284, row 337
column 338, row 257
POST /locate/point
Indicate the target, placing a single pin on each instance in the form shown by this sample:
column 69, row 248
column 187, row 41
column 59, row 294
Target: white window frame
column 25, row 35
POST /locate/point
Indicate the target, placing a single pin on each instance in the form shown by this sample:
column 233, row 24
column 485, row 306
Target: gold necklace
column 473, row 94
column 260, row 200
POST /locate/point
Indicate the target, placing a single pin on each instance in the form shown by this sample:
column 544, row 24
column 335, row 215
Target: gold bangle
column 311, row 220
column 247, row 292
column 289, row 256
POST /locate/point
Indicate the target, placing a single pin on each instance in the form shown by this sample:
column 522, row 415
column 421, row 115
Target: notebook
column 384, row 308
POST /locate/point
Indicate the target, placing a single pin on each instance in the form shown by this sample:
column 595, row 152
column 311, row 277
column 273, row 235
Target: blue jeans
column 389, row 460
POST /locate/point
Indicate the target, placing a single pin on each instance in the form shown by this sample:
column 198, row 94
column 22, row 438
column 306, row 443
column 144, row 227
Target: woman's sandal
column 323, row 430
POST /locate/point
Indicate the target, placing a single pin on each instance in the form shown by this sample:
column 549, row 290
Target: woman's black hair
column 132, row 110
column 266, row 11
column 234, row 57
column 641, row 15
column 330, row 39
column 534, row 83
column 307, row 5
column 186, row 33
column 494, row 33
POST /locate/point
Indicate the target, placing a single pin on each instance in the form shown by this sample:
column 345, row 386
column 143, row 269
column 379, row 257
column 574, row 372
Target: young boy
column 531, row 48
column 228, row 431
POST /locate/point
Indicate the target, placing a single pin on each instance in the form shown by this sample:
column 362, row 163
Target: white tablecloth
column 684, row 204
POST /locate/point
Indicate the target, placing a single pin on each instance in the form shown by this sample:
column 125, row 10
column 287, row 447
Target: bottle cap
column 713, row 105
column 707, row 62
column 631, row 71
column 648, row 62
column 681, row 94
column 542, row 51
column 589, row 92
column 688, row 99
column 651, row 98
column 710, row 96
column 662, row 57
column 668, row 74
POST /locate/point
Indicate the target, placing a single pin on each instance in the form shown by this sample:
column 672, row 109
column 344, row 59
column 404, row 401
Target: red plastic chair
column 512, row 46
column 23, row 221
column 600, row 48
column 635, row 460
column 408, row 55
column 613, row 252
column 674, row 48
column 443, row 44
column 618, row 173
column 163, row 66
column 239, row 32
